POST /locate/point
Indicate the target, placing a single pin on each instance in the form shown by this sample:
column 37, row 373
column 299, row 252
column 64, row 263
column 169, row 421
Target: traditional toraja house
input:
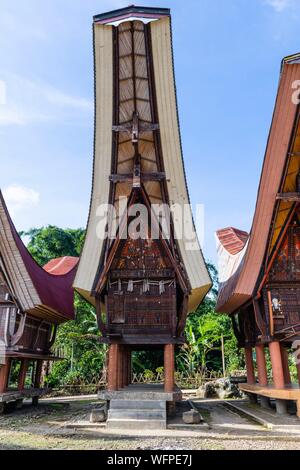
column 33, row 302
column 260, row 273
column 143, row 288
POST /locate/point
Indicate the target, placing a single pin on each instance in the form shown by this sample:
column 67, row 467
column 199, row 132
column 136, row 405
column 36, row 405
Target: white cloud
column 29, row 101
column 9, row 23
column 19, row 198
column 62, row 99
column 2, row 92
column 279, row 5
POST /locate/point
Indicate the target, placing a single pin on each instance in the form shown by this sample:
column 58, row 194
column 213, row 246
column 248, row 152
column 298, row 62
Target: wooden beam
column 22, row 374
column 4, row 376
column 169, row 367
column 128, row 177
column 271, row 318
column 288, row 197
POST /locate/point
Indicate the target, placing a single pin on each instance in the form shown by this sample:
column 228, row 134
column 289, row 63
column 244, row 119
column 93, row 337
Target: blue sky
column 227, row 59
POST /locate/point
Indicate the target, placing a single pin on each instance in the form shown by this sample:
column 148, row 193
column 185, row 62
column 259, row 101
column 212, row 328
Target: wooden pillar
column 262, row 373
column 249, row 365
column 37, row 379
column 169, row 366
column 276, row 360
column 298, row 371
column 120, row 366
column 298, row 408
column 129, row 369
column 112, row 379
column 38, row 373
column 285, row 365
column 22, row 374
column 4, row 376
column 261, row 365
column 125, row 367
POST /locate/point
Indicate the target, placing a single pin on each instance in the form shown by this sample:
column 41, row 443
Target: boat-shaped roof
column 134, row 72
column 241, row 274
column 35, row 289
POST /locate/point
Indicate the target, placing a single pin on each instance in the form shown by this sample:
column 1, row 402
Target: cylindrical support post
column 22, row 374
column 37, row 379
column 38, row 373
column 112, row 379
column 129, row 371
column 4, row 376
column 277, row 369
column 249, row 365
column 285, row 365
column 125, row 367
column 262, row 373
column 120, row 366
column 261, row 365
column 298, row 408
column 298, row 372
column 278, row 375
column 169, row 367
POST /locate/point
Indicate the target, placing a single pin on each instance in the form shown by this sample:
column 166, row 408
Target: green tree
column 50, row 242
column 204, row 331
column 77, row 340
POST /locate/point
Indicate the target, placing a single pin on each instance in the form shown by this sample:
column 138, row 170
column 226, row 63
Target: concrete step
column 137, row 414
column 138, row 404
column 136, row 424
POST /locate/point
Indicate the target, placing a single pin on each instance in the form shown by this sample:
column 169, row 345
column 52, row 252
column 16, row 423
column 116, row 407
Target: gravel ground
column 43, row 428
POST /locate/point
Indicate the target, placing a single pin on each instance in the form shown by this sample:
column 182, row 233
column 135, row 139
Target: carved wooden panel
column 286, row 267
column 137, row 309
column 36, row 335
column 139, row 256
column 285, row 306
column 141, row 290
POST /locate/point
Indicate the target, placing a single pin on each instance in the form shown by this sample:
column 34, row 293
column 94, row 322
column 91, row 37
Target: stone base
column 281, row 407
column 141, row 392
column 191, row 417
column 265, row 402
column 139, row 406
column 98, row 415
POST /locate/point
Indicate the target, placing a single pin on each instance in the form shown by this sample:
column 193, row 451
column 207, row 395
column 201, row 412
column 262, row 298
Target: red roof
column 60, row 266
column 232, row 239
column 239, row 289
column 54, row 289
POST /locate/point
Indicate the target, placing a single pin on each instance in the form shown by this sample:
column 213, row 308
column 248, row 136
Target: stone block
column 98, row 416
column 192, row 417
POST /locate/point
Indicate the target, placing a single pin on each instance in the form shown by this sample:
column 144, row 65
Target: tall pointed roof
column 35, row 289
column 280, row 168
column 133, row 61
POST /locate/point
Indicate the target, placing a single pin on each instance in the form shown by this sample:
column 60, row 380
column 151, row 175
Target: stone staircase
column 137, row 414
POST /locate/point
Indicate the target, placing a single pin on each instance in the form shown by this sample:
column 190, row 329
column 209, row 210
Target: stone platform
column 139, row 406
column 141, row 392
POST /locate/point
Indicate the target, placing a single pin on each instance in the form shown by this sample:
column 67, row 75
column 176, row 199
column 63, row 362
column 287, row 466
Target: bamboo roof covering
column 280, row 168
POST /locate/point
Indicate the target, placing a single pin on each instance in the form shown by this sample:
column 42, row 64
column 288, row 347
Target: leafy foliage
column 52, row 242
column 204, row 332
